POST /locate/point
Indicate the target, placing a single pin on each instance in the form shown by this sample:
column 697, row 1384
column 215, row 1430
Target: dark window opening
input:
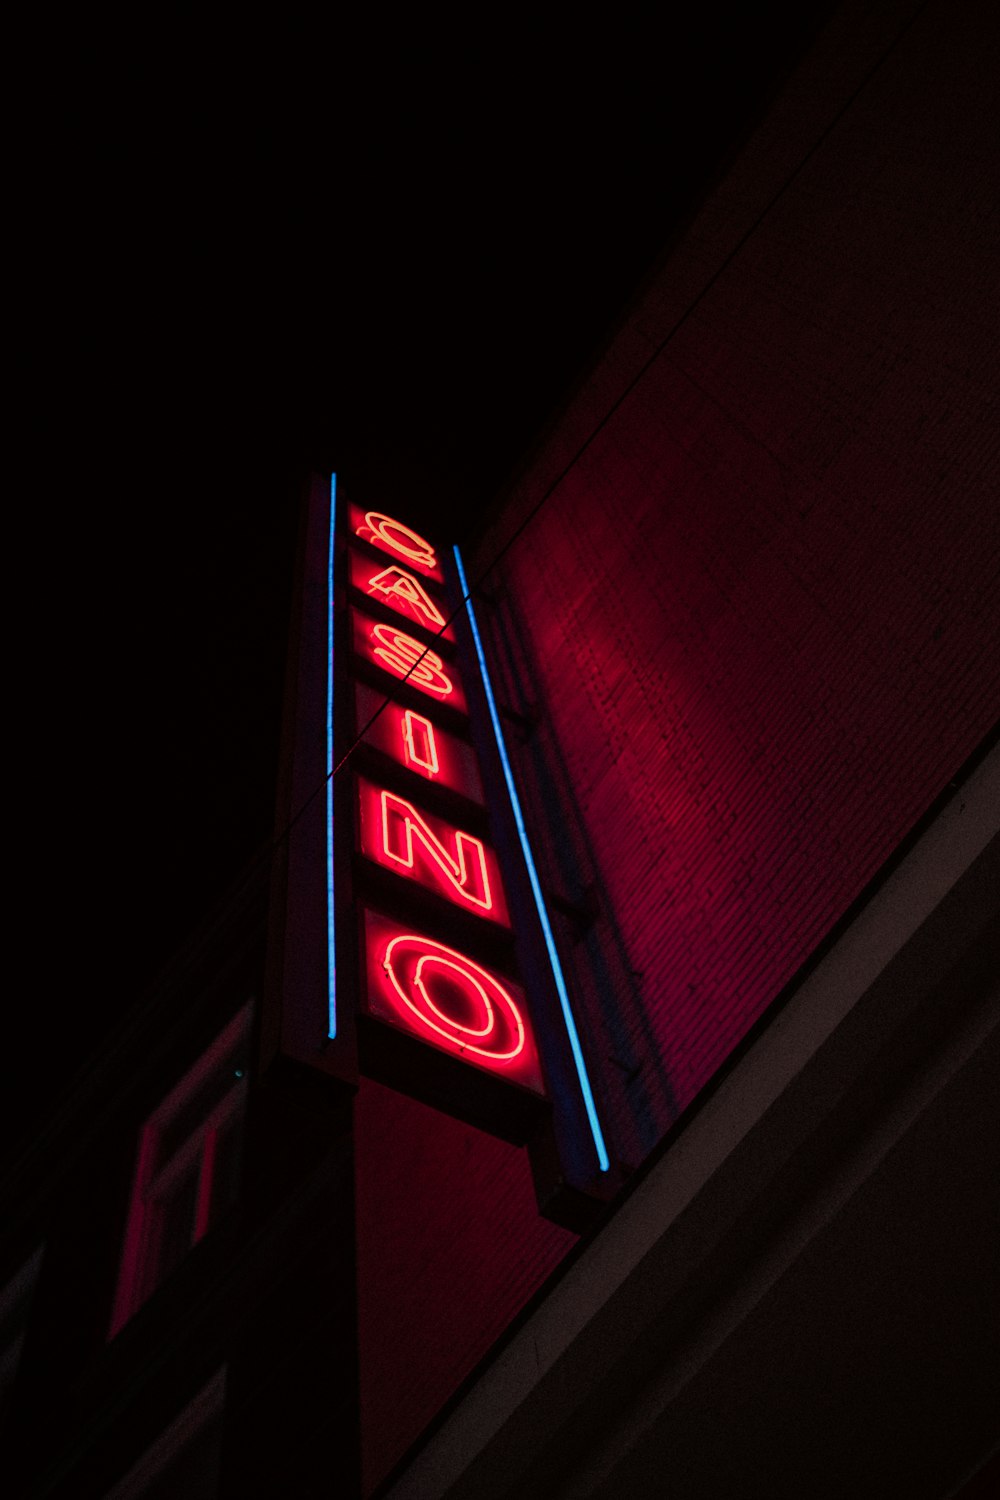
column 187, row 1168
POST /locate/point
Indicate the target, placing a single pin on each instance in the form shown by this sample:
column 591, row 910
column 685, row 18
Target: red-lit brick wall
column 760, row 612
column 758, row 615
column 450, row 1247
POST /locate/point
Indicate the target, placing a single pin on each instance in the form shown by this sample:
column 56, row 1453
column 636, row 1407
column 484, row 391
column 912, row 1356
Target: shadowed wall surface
column 450, row 1247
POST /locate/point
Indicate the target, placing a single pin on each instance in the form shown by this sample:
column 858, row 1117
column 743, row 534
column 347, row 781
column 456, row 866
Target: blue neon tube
column 536, row 889
column 330, row 916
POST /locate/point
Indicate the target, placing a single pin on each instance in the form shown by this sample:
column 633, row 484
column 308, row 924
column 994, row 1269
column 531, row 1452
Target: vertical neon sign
column 423, row 893
column 330, row 913
column 536, row 889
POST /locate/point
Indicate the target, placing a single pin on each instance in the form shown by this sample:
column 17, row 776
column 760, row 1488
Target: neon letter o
column 414, row 966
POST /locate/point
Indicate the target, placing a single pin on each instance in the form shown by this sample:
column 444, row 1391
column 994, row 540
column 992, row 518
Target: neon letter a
column 409, row 591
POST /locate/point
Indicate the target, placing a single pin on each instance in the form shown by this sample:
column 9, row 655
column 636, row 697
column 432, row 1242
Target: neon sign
column 406, row 659
column 420, row 743
column 443, row 996
column 402, row 591
column 440, row 953
column 391, row 536
column 427, row 975
column 426, row 848
column 466, row 870
column 331, row 935
column 407, row 593
column 413, row 740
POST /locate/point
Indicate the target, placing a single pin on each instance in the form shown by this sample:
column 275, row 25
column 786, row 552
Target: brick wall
column 450, row 1247
column 759, row 609
column 759, row 616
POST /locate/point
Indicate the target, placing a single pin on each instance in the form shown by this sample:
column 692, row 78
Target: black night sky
column 385, row 247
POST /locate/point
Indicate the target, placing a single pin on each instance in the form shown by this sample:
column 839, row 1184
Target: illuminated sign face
column 399, row 587
column 415, row 741
column 420, row 744
column 406, row 659
column 396, row 834
column 439, row 1019
column 448, row 999
column 433, row 1003
column 402, row 543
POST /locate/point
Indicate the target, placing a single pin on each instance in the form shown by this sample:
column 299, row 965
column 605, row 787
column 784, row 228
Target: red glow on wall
column 184, row 1174
column 404, row 657
column 447, row 999
column 402, row 591
column 412, row 739
column 392, row 536
column 446, row 859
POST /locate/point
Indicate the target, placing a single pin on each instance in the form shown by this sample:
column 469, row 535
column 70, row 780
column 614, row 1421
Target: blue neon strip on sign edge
column 543, row 916
column 330, row 919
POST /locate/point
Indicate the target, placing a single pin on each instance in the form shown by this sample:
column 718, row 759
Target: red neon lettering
column 396, row 581
column 399, row 538
column 419, row 743
column 423, row 972
column 465, row 872
column 407, row 658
